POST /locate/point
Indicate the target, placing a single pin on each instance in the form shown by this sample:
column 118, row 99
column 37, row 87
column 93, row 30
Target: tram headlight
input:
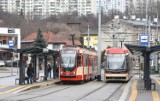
column 61, row 72
column 74, row 72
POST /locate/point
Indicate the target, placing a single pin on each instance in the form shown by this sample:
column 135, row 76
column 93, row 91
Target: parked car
column 10, row 63
column 2, row 63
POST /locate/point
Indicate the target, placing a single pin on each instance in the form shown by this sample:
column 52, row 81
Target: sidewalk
column 135, row 90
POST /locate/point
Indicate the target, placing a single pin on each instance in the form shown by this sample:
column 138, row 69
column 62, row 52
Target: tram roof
column 81, row 50
column 116, row 50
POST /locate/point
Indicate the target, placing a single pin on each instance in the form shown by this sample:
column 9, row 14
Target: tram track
column 89, row 93
column 46, row 94
column 102, row 87
column 114, row 93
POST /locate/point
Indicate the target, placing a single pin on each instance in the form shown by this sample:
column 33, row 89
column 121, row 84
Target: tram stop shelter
column 35, row 52
column 145, row 51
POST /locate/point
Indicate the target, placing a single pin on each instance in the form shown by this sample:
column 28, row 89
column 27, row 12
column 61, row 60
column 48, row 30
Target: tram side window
column 85, row 60
column 78, row 60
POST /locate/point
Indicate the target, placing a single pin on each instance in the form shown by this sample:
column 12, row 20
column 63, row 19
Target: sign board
column 11, row 44
column 144, row 39
column 11, row 30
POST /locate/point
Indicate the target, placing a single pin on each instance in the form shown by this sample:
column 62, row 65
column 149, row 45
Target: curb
column 38, row 85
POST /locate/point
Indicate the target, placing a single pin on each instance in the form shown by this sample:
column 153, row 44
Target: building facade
column 45, row 8
column 10, row 38
column 92, row 41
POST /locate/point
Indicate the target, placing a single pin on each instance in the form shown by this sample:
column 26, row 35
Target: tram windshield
column 115, row 61
column 68, row 58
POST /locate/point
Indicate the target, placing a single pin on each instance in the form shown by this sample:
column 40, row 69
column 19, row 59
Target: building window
column 88, row 38
column 137, row 37
column 56, row 46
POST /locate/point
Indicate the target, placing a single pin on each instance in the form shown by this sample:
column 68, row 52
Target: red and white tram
column 77, row 64
column 118, row 64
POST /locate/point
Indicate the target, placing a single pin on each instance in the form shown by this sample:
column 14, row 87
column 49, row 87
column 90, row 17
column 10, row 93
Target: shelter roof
column 32, row 50
column 139, row 50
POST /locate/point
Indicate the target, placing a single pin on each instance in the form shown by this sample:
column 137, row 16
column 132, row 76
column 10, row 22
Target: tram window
column 78, row 60
column 86, row 58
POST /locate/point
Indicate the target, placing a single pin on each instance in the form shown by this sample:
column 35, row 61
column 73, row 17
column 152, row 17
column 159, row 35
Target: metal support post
column 21, row 71
column 147, row 72
column 34, row 66
column 144, row 75
column 88, row 39
column 45, row 67
column 54, row 67
column 99, row 43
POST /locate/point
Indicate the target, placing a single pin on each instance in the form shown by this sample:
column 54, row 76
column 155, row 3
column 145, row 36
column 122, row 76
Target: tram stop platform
column 135, row 91
column 10, row 77
column 39, row 84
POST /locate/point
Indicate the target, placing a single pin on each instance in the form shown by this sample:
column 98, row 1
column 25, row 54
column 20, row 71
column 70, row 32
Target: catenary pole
column 88, row 39
column 99, row 43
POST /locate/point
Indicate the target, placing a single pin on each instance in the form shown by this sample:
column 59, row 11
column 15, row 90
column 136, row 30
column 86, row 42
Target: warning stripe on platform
column 134, row 91
column 155, row 93
column 11, row 90
column 155, row 96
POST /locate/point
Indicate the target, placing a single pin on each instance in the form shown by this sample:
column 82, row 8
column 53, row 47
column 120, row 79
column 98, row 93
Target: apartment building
column 45, row 8
column 116, row 5
column 140, row 5
column 8, row 5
